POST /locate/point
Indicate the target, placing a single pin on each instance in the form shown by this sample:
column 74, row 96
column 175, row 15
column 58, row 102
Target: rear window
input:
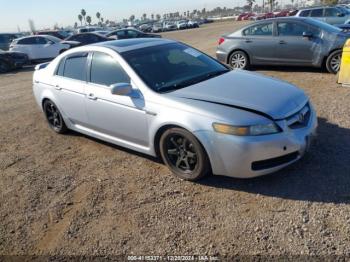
column 317, row 12
column 75, row 67
column 331, row 12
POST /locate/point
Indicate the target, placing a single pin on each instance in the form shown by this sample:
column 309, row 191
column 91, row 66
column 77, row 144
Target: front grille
column 274, row 162
column 299, row 119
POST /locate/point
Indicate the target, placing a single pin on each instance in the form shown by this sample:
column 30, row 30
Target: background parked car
column 284, row 41
column 182, row 24
column 330, row 15
column 6, row 39
column 146, row 28
column 12, row 60
column 88, row 29
column 169, row 26
column 39, row 48
column 130, row 33
column 85, row 39
column 192, row 24
column 59, row 34
column 157, row 27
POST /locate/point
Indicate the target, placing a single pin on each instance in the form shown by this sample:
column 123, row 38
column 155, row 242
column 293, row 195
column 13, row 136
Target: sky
column 46, row 13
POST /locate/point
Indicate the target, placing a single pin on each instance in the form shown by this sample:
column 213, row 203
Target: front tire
column 239, row 60
column 333, row 62
column 54, row 117
column 184, row 155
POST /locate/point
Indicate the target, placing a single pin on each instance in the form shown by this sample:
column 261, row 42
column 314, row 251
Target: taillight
column 221, row 40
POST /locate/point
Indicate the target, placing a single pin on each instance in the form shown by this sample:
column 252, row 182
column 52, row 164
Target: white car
column 39, row 47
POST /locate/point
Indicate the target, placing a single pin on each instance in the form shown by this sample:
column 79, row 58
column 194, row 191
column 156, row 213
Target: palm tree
column 98, row 15
column 158, row 16
column 80, row 17
column 144, row 16
column 271, row 3
column 152, row 16
column 250, row 3
column 83, row 13
column 88, row 19
column 132, row 18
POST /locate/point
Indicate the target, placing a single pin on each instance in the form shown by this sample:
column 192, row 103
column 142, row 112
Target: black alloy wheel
column 183, row 154
column 54, row 117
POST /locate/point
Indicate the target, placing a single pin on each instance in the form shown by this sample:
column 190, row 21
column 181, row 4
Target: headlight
column 254, row 130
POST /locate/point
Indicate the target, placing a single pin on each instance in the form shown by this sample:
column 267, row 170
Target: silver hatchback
column 164, row 98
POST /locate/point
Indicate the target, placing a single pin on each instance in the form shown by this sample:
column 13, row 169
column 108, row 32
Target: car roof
column 53, row 38
column 121, row 46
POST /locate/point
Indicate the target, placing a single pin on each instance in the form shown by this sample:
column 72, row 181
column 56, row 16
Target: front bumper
column 247, row 157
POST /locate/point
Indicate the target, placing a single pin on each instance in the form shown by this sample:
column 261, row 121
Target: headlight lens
column 254, row 130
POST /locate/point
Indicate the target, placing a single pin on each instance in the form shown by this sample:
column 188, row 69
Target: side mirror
column 340, row 14
column 307, row 35
column 121, row 89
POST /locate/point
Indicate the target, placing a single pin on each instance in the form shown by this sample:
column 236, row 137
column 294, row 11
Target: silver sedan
column 164, row 98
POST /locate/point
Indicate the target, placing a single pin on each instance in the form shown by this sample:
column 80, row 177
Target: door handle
column 283, row 42
column 92, row 97
column 57, row 87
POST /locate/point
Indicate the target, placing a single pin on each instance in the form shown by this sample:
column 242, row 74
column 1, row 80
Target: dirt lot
column 74, row 195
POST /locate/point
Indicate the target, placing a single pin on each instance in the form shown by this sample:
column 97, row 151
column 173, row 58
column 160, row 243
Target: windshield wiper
column 192, row 81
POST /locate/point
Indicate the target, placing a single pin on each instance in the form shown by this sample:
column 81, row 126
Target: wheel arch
column 235, row 50
column 161, row 130
column 329, row 53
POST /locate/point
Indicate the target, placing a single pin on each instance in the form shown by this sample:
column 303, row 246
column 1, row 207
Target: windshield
column 324, row 26
column 172, row 66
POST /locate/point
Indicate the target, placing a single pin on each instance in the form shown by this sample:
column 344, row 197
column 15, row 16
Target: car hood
column 249, row 91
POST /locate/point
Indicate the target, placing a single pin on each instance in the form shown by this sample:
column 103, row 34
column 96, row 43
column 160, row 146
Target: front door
column 122, row 117
column 292, row 47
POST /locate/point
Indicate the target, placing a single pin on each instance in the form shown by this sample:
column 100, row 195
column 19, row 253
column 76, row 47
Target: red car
column 282, row 13
column 240, row 17
column 248, row 16
column 265, row 16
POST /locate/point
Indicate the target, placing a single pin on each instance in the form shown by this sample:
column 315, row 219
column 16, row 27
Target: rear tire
column 184, row 155
column 54, row 117
column 239, row 60
column 4, row 67
column 333, row 62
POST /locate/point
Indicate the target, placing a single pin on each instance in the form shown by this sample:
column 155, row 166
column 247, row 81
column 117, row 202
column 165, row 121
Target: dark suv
column 6, row 39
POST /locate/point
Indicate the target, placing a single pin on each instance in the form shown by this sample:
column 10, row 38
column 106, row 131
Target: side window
column 75, row 67
column 60, row 69
column 27, row 41
column 3, row 39
column 305, row 13
column 41, row 41
column 132, row 34
column 331, row 12
column 121, row 33
column 106, row 71
column 259, row 30
column 291, row 29
column 317, row 12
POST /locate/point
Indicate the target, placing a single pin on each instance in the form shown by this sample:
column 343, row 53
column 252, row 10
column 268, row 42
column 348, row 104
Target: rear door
column 292, row 47
column 259, row 41
column 69, row 84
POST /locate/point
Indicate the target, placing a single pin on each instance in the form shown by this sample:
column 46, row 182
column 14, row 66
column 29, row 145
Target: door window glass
column 317, row 13
column 331, row 12
column 291, row 29
column 75, row 67
column 105, row 70
column 305, row 13
column 259, row 30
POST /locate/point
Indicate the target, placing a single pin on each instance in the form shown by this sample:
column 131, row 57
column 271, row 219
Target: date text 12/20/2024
column 173, row 258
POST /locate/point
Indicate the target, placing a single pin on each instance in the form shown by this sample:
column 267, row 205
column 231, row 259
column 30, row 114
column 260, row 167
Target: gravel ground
column 74, row 195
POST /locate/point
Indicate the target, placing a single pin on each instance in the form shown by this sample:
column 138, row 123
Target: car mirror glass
column 121, row 89
column 307, row 34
